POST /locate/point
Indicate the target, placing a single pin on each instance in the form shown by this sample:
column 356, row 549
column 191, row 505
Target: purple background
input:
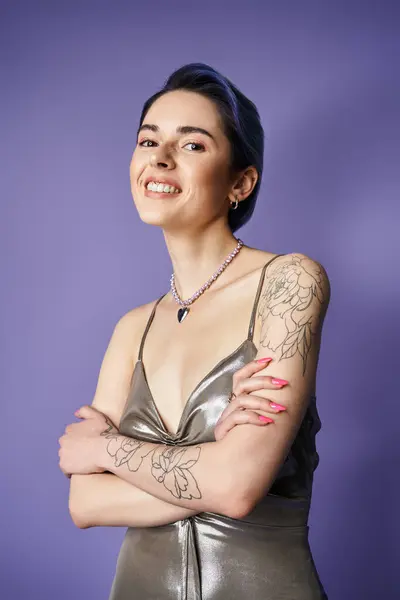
column 76, row 256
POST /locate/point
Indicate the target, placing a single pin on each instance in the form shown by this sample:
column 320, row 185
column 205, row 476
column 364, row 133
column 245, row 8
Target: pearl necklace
column 182, row 312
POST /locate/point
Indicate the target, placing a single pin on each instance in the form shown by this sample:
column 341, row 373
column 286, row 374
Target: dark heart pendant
column 182, row 312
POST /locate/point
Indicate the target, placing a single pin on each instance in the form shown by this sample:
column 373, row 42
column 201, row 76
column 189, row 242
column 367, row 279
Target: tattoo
column 170, row 465
column 290, row 290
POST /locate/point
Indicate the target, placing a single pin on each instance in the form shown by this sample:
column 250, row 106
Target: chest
column 180, row 359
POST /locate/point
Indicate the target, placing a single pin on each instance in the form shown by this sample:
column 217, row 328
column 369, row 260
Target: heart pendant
column 182, row 312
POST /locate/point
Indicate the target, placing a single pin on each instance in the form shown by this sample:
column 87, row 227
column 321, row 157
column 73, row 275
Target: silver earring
column 235, row 204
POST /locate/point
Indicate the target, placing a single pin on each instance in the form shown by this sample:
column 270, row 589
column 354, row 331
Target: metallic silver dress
column 264, row 556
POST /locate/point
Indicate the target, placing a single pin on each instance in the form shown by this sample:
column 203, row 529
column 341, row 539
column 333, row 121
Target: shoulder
column 296, row 290
column 131, row 324
column 302, row 269
column 137, row 314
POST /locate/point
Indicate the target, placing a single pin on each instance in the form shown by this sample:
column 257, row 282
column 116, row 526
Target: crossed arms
column 144, row 485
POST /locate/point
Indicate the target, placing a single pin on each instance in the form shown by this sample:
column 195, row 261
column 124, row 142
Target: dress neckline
column 193, row 393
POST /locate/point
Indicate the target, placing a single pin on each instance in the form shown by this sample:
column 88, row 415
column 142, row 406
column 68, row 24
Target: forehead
column 182, row 107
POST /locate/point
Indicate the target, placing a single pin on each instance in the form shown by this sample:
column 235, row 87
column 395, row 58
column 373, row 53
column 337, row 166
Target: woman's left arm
column 291, row 313
column 231, row 475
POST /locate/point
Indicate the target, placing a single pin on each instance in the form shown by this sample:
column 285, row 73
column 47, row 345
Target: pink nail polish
column 277, row 406
column 263, row 360
column 266, row 419
column 277, row 381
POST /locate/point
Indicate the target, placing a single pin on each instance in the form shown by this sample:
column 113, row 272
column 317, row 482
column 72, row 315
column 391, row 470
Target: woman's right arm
column 103, row 499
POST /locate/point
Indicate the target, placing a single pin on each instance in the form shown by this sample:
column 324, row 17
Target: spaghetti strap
column 150, row 319
column 260, row 284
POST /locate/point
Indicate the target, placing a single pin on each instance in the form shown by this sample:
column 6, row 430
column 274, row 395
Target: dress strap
column 260, row 284
column 149, row 322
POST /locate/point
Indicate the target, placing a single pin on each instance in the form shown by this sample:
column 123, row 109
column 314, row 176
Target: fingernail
column 277, row 406
column 277, row 381
column 265, row 419
column 263, row 360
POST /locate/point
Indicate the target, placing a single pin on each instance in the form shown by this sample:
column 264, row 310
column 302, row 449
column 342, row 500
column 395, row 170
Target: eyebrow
column 183, row 129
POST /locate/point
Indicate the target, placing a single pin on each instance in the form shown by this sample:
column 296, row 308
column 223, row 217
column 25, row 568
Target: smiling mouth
column 153, row 193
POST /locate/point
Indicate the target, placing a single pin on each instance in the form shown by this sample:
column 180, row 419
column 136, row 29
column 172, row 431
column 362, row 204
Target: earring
column 236, row 203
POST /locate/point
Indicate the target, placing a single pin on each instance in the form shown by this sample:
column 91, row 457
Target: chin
column 154, row 217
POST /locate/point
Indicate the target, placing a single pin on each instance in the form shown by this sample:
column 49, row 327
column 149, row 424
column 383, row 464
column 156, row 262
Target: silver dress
column 264, row 556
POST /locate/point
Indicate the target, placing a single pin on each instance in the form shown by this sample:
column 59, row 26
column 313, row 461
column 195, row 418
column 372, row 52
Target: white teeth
column 161, row 187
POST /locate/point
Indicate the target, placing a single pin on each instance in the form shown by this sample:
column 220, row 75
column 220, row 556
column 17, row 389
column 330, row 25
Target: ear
column 244, row 184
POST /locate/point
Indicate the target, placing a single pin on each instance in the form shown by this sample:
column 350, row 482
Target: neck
column 196, row 257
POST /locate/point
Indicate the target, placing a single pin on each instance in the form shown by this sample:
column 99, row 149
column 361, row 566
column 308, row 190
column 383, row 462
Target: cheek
column 134, row 171
column 132, row 165
column 213, row 184
column 203, row 178
column 214, row 173
column 206, row 185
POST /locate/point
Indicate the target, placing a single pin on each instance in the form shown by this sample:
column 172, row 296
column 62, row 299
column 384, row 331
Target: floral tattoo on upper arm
column 291, row 292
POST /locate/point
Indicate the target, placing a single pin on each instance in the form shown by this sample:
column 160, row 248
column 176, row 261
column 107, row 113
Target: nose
column 161, row 159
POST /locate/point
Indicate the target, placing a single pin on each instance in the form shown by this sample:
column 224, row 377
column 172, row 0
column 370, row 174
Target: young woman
column 201, row 435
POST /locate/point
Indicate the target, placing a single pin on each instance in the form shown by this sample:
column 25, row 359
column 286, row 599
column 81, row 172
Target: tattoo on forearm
column 170, row 465
column 290, row 290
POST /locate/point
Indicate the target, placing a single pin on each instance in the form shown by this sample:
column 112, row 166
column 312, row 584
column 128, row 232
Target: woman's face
column 195, row 162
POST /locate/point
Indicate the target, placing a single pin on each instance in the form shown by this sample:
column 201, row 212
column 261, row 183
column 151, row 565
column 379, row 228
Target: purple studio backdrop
column 76, row 256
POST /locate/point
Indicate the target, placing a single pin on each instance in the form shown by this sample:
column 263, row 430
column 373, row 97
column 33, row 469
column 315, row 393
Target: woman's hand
column 80, row 445
column 245, row 407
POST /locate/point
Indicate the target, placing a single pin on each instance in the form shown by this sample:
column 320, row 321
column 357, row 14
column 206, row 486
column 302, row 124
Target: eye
column 142, row 143
column 195, row 144
column 146, row 144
